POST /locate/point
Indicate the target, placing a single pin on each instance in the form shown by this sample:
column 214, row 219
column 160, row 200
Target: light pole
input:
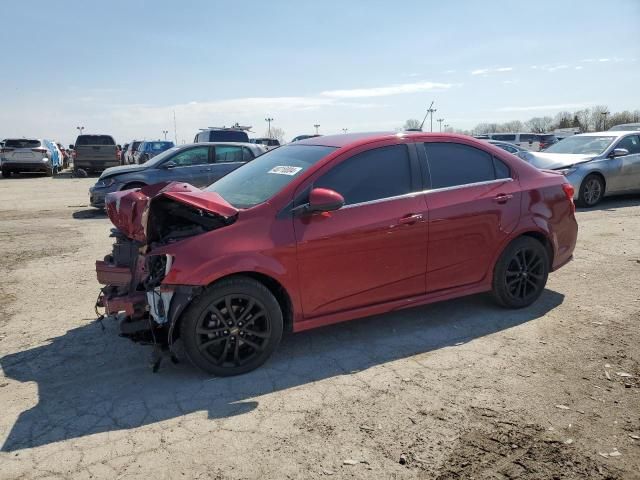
column 316, row 126
column 604, row 121
column 432, row 111
column 165, row 133
column 80, row 129
column 446, row 125
column 440, row 120
column 344, row 130
column 269, row 120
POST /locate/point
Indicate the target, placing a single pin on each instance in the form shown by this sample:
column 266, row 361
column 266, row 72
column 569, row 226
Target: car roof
column 238, row 144
column 606, row 133
column 354, row 139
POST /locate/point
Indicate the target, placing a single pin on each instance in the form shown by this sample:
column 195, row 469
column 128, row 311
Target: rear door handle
column 410, row 219
column 502, row 198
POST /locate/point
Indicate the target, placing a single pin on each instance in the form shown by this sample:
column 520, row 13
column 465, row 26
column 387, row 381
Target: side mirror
column 324, row 200
column 619, row 152
column 168, row 165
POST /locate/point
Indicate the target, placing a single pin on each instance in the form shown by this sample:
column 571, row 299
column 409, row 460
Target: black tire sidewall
column 500, row 291
column 232, row 285
column 581, row 201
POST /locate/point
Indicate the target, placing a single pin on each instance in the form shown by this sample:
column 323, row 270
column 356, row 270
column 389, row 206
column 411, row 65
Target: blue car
column 199, row 164
column 147, row 150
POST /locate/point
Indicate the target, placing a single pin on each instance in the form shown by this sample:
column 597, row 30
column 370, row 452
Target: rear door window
column 454, row 164
column 227, row 153
column 192, row 156
column 95, row 140
column 372, row 175
column 22, row 143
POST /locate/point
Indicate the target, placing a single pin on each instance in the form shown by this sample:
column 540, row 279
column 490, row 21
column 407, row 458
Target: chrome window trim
column 428, row 191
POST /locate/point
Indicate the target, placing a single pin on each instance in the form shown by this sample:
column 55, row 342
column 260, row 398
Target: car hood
column 110, row 172
column 552, row 161
column 147, row 214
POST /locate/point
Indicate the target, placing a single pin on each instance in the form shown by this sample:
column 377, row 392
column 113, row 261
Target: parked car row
column 526, row 141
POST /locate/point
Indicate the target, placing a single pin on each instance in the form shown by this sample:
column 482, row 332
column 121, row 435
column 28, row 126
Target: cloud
column 532, row 108
column 486, row 71
column 386, row 91
column 579, row 67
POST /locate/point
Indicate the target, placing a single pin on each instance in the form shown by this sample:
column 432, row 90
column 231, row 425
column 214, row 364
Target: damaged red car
column 326, row 230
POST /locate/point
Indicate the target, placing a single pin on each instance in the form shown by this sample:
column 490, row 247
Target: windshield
column 95, row 140
column 21, row 143
column 262, row 178
column 588, row 144
column 159, row 146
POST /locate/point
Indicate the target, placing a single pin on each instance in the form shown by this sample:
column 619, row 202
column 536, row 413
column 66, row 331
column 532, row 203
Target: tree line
column 595, row 119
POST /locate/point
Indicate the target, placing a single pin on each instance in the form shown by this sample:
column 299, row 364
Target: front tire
column 591, row 191
column 232, row 328
column 521, row 273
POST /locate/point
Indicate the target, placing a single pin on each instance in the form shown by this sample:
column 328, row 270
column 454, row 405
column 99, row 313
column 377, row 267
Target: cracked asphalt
column 457, row 389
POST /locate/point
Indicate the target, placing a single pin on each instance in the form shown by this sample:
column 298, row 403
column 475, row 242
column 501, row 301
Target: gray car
column 596, row 164
column 199, row 164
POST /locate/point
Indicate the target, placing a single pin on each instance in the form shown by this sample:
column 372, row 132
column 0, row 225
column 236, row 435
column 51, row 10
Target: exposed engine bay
column 146, row 219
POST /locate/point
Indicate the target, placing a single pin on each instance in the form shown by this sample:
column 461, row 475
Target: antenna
column 429, row 110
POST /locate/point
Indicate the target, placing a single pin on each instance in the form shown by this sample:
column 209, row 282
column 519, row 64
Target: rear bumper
column 95, row 164
column 26, row 166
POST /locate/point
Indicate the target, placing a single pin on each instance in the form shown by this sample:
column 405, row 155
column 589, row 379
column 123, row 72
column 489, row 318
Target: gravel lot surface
column 458, row 389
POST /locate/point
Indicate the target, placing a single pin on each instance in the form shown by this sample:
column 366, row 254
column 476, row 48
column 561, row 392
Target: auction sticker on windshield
column 285, row 170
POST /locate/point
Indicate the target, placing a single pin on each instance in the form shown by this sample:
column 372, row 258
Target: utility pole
column 440, row 120
column 604, row 121
column 165, row 133
column 344, row 130
column 175, row 130
column 316, row 126
column 269, row 120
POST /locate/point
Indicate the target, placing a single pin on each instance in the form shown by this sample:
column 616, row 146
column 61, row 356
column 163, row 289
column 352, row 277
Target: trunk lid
column 151, row 213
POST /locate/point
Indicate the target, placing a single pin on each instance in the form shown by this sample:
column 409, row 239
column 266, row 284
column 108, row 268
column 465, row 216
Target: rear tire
column 521, row 273
column 6, row 173
column 591, row 191
column 232, row 328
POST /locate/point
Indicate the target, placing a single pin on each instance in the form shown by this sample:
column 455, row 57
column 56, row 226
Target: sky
column 124, row 67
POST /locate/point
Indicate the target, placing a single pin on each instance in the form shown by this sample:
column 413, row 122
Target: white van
column 529, row 141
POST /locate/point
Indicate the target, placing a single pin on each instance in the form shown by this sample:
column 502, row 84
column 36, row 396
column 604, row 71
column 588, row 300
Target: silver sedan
column 596, row 164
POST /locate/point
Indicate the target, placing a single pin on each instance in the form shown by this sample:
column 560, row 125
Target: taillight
column 569, row 191
column 43, row 151
column 73, row 154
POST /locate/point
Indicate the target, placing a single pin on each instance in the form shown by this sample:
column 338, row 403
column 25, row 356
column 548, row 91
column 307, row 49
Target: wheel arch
column 597, row 173
column 274, row 286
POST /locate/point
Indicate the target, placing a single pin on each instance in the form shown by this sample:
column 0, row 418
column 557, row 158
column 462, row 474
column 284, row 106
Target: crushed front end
column 132, row 275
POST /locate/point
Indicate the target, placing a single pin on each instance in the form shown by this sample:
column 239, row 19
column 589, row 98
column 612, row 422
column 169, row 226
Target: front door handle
column 410, row 219
column 502, row 198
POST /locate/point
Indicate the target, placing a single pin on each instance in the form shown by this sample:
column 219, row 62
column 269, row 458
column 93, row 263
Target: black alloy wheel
column 233, row 327
column 521, row 273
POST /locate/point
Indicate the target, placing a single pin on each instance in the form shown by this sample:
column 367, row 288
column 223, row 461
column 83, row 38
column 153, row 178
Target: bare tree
column 584, row 120
column 512, row 126
column 539, row 124
column 563, row 120
column 598, row 119
column 411, row 124
column 276, row 133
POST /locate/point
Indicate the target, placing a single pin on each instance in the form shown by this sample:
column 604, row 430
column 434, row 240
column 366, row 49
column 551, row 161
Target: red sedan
column 326, row 230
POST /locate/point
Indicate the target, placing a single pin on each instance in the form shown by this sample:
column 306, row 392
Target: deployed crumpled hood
column 110, row 172
column 128, row 210
column 553, row 161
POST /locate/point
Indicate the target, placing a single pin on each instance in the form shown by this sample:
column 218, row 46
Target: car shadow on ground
column 91, row 381
column 614, row 203
column 89, row 214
